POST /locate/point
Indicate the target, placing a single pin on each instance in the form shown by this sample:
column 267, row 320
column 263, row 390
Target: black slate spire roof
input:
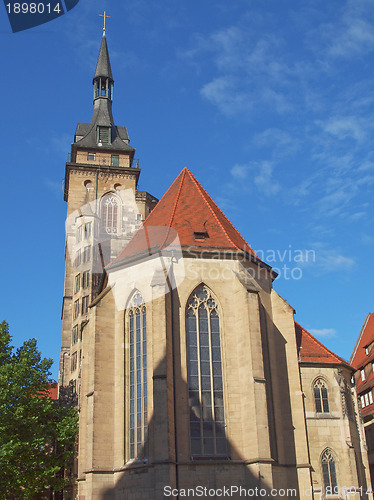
column 103, row 67
column 86, row 134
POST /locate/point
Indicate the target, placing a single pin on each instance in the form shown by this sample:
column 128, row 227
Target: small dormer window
column 103, row 135
column 200, row 235
column 363, row 375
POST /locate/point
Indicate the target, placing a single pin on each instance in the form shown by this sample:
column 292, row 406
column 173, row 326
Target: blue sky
column 271, row 106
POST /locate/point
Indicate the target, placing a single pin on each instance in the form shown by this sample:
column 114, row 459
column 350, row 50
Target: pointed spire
column 103, row 68
column 102, row 130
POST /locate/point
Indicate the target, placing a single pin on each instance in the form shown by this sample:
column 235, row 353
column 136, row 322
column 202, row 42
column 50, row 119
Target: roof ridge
column 149, row 216
column 353, row 355
column 204, row 194
column 175, row 206
column 178, row 195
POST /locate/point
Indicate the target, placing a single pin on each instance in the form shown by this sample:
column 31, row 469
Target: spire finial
column 105, row 17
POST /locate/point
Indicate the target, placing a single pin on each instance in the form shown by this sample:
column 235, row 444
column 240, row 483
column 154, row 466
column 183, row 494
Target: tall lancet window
column 321, row 397
column 110, row 213
column 138, row 376
column 329, row 472
column 205, row 386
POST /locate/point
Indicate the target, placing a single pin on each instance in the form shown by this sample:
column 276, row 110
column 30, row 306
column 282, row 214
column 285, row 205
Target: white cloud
column 323, row 259
column 333, row 261
column 345, row 128
column 273, row 136
column 323, row 332
column 239, row 171
column 223, row 92
column 349, row 35
column 264, row 180
column 250, row 69
column 262, row 175
column 354, row 36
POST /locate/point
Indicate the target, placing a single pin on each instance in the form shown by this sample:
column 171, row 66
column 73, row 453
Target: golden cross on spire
column 104, row 16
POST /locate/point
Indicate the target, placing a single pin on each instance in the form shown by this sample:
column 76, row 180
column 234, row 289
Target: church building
column 189, row 372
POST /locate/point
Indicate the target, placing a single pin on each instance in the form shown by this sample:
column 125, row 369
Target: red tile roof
column 188, row 209
column 312, row 350
column 53, row 391
column 359, row 357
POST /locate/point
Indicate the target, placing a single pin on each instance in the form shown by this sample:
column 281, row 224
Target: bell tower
column 104, row 208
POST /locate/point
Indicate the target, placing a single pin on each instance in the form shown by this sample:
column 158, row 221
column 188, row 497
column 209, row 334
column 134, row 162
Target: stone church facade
column 187, row 367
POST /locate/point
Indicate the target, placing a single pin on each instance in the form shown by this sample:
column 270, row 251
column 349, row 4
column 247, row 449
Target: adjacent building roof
column 312, row 350
column 363, row 355
column 359, row 357
column 53, row 391
column 188, row 209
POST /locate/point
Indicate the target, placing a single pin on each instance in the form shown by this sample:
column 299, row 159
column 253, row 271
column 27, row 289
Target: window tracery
column 205, row 383
column 110, row 213
column 138, row 422
column 321, row 397
column 329, row 472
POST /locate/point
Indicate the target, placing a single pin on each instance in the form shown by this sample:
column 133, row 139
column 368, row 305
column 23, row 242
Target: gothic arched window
column 205, row 385
column 110, row 213
column 329, row 472
column 321, row 396
column 138, row 422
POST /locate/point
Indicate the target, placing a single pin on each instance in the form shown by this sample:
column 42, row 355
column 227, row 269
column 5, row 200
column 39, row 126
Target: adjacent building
column 362, row 360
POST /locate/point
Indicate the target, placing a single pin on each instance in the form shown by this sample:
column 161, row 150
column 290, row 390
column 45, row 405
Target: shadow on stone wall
column 147, row 479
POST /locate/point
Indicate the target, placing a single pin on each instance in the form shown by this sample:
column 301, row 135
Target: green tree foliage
column 37, row 434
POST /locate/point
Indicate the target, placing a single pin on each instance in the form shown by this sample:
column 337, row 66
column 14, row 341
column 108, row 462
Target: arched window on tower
column 110, row 213
column 205, row 384
column 138, row 418
column 321, row 396
column 329, row 472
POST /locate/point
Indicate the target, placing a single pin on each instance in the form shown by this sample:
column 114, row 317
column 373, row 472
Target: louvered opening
column 104, row 135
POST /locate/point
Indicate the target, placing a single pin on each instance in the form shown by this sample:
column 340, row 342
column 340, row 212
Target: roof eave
column 327, row 364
